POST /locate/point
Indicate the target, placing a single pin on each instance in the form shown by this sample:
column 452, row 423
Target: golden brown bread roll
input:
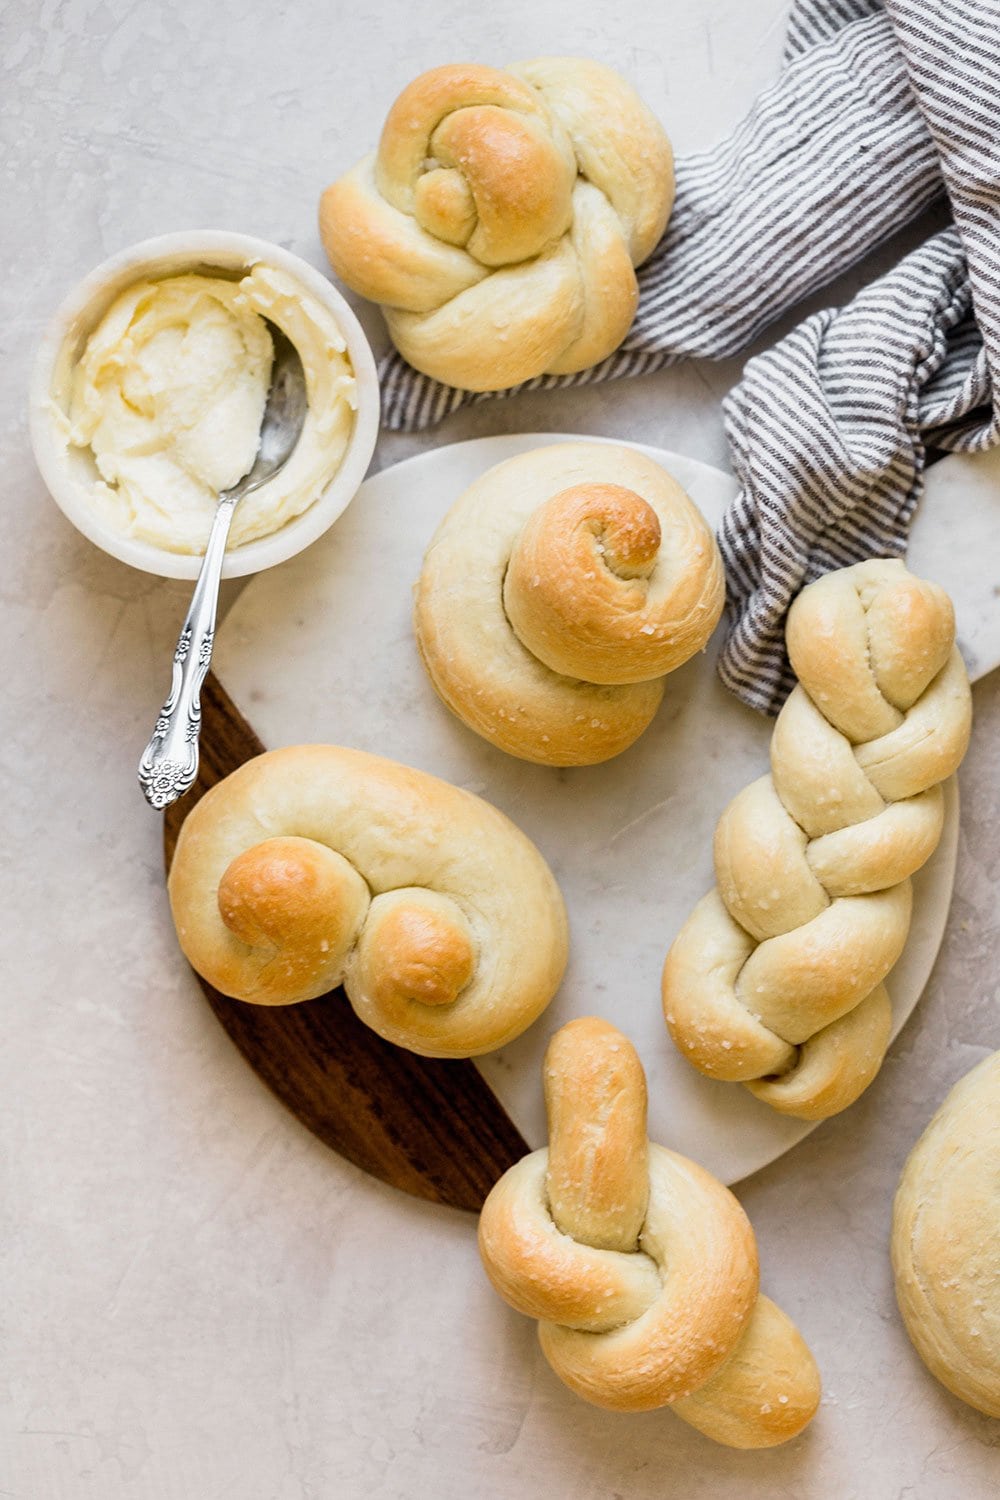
column 639, row 1265
column 501, row 219
column 316, row 866
column 557, row 592
column 945, row 1242
column 775, row 980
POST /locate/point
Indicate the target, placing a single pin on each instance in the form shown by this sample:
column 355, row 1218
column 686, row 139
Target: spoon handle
column 169, row 762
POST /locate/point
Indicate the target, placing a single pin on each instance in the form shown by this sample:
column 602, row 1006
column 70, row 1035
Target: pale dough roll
column 295, row 897
column 864, row 654
column 391, row 259
column 315, row 866
column 619, row 144
column 608, row 289
column 699, row 1240
column 833, row 1066
column 555, row 594
column 775, row 980
column 597, row 1180
column 498, row 104
column 416, row 949
column 800, row 981
column 640, row 1266
column 772, row 876
column 534, row 310
column 500, row 222
column 945, row 1244
column 767, row 1390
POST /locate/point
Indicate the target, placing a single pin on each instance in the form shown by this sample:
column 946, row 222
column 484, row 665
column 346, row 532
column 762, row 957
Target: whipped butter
column 169, row 394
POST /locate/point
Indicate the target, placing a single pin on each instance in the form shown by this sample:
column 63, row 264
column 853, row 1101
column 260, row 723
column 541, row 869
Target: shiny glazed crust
column 640, row 1267
column 315, row 866
column 775, row 980
column 557, row 592
column 501, row 218
column 945, row 1246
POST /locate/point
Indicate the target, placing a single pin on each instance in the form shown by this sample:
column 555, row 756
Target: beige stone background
column 199, row 1301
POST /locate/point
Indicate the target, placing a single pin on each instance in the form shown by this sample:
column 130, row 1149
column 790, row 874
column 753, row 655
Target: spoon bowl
column 283, row 419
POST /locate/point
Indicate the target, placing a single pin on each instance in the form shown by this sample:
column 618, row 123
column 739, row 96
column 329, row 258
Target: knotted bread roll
column 557, row 592
column 640, row 1266
column 501, row 219
column 945, row 1243
column 776, row 978
column 316, row 866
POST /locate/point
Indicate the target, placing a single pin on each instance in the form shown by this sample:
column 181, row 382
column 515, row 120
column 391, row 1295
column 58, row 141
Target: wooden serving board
column 431, row 1127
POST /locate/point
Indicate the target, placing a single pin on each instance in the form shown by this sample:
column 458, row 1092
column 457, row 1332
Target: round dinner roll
column 501, row 219
column 946, row 1242
column 775, row 980
column 316, row 866
column 558, row 592
column 640, row 1267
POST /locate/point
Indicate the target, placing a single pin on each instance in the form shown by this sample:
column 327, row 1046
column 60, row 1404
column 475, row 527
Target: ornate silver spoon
column 169, row 762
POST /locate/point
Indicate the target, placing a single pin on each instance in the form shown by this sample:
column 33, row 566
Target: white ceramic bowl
column 70, row 472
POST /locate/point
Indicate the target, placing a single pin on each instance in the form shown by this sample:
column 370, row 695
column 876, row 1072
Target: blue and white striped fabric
column 880, row 109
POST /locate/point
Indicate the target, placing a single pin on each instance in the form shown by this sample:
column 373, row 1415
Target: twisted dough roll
column 640, row 1266
column 500, row 220
column 776, row 978
column 945, row 1246
column 555, row 595
column 316, row 866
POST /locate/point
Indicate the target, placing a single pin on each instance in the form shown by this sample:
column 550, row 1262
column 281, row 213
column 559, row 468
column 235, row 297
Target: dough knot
column 501, row 219
column 315, row 866
column 639, row 1265
column 776, row 978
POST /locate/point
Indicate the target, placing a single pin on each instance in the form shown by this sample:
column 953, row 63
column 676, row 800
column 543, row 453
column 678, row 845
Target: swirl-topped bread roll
column 316, row 866
column 556, row 594
column 776, row 978
column 945, row 1244
column 640, row 1267
column 501, row 219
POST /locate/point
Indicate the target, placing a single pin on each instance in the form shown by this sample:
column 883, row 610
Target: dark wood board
column 430, row 1127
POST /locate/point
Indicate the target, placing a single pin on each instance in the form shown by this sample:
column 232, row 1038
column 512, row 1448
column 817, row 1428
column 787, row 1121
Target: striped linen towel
column 880, row 108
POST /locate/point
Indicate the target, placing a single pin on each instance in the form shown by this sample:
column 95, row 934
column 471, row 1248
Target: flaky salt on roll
column 501, row 219
column 775, row 980
column 640, row 1267
column 556, row 595
column 316, row 866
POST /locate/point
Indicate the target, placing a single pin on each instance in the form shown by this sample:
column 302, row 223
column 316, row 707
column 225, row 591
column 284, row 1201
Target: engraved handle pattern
column 169, row 763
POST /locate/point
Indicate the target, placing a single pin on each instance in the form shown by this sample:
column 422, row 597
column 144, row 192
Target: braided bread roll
column 640, row 1266
column 316, row 866
column 945, row 1245
column 557, row 592
column 501, row 219
column 776, row 978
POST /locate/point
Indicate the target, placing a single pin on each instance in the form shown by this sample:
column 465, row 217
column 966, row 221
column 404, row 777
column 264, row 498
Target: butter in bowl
column 149, row 388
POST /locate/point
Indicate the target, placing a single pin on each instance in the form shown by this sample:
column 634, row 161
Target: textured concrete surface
column 200, row 1302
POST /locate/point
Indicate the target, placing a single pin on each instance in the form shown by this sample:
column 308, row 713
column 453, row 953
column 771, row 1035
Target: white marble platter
column 322, row 649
